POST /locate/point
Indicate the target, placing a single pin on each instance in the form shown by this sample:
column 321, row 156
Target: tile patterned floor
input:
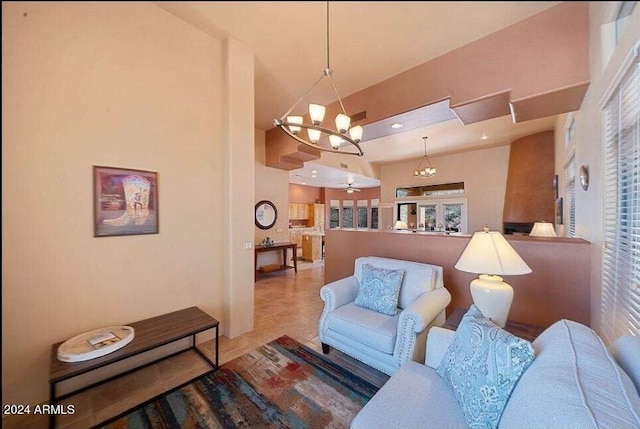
column 286, row 303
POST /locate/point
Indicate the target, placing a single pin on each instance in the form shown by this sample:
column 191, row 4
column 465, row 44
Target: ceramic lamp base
column 493, row 298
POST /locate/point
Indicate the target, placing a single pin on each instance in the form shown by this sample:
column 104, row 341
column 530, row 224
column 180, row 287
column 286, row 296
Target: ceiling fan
column 350, row 189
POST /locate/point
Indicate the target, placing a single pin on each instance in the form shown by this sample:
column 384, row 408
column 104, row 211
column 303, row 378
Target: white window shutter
column 620, row 299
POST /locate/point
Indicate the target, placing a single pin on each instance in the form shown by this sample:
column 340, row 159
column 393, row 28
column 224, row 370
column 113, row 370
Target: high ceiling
column 369, row 42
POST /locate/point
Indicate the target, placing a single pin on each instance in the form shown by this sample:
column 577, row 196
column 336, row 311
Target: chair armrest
column 438, row 341
column 413, row 321
column 424, row 309
column 339, row 292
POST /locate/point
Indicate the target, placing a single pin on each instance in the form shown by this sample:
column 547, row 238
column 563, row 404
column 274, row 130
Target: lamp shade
column 316, row 112
column 294, row 120
column 488, row 252
column 542, row 229
column 400, row 225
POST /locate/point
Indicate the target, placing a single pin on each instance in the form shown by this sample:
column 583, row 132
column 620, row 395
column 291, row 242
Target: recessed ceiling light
column 396, row 125
column 314, row 172
column 313, row 176
column 303, row 183
column 484, row 137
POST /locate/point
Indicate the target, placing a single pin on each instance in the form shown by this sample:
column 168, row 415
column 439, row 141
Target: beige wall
column 589, row 136
column 271, row 184
column 484, row 173
column 238, row 189
column 125, row 85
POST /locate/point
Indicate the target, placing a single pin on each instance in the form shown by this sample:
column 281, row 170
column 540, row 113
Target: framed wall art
column 125, row 201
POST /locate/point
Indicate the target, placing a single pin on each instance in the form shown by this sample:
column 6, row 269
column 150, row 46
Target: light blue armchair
column 381, row 341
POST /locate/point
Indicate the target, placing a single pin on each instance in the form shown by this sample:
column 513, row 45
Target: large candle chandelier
column 344, row 133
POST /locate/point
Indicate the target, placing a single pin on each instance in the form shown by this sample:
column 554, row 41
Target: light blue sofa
column 381, row 341
column 574, row 382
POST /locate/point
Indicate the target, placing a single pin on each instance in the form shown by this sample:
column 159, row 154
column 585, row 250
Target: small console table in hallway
column 150, row 334
column 276, row 246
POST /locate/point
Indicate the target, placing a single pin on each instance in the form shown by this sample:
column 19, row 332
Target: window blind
column 620, row 302
column 570, row 189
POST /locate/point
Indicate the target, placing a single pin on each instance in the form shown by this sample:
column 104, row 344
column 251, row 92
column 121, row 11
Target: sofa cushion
column 365, row 326
column 379, row 289
column 574, row 382
column 418, row 277
column 482, row 365
column 626, row 352
column 414, row 398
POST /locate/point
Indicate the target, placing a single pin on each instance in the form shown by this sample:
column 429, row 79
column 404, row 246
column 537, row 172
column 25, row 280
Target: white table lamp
column 400, row 225
column 542, row 229
column 489, row 254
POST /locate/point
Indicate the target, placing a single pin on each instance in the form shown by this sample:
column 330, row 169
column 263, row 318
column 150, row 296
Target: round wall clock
column 584, row 177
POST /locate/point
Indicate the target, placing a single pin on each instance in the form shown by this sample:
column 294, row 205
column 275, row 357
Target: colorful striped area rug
column 279, row 385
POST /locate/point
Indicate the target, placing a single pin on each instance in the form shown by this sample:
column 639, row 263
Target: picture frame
column 266, row 214
column 125, row 201
column 559, row 211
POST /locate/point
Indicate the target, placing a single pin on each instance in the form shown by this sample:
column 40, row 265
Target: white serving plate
column 95, row 343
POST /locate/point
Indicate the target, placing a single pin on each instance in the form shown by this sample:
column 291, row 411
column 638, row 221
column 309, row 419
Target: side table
column 523, row 330
column 150, row 334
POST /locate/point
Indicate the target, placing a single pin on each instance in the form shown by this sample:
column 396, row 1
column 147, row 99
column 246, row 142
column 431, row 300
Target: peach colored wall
column 529, row 193
column 483, row 171
column 558, row 286
column 541, row 54
column 116, row 84
column 304, row 194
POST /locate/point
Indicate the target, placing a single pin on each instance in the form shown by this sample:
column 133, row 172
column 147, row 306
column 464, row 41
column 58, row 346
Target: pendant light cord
column 328, row 65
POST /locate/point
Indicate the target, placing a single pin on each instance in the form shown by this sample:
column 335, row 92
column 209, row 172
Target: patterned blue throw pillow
column 482, row 367
column 379, row 289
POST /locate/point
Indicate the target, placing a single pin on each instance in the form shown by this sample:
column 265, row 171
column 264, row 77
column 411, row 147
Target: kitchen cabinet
column 299, row 211
column 312, row 247
column 317, row 216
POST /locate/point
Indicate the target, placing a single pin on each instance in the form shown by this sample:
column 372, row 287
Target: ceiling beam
column 535, row 68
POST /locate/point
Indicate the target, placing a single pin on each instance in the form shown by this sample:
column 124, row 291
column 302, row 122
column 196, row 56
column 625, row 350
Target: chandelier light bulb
column 294, row 120
column 335, row 142
column 314, row 135
column 342, row 122
column 356, row 133
column 316, row 112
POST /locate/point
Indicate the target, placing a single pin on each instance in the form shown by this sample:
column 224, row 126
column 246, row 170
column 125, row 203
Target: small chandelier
column 344, row 133
column 428, row 170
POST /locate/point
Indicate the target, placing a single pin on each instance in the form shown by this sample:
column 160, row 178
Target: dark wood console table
column 277, row 246
column 149, row 334
column 522, row 330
